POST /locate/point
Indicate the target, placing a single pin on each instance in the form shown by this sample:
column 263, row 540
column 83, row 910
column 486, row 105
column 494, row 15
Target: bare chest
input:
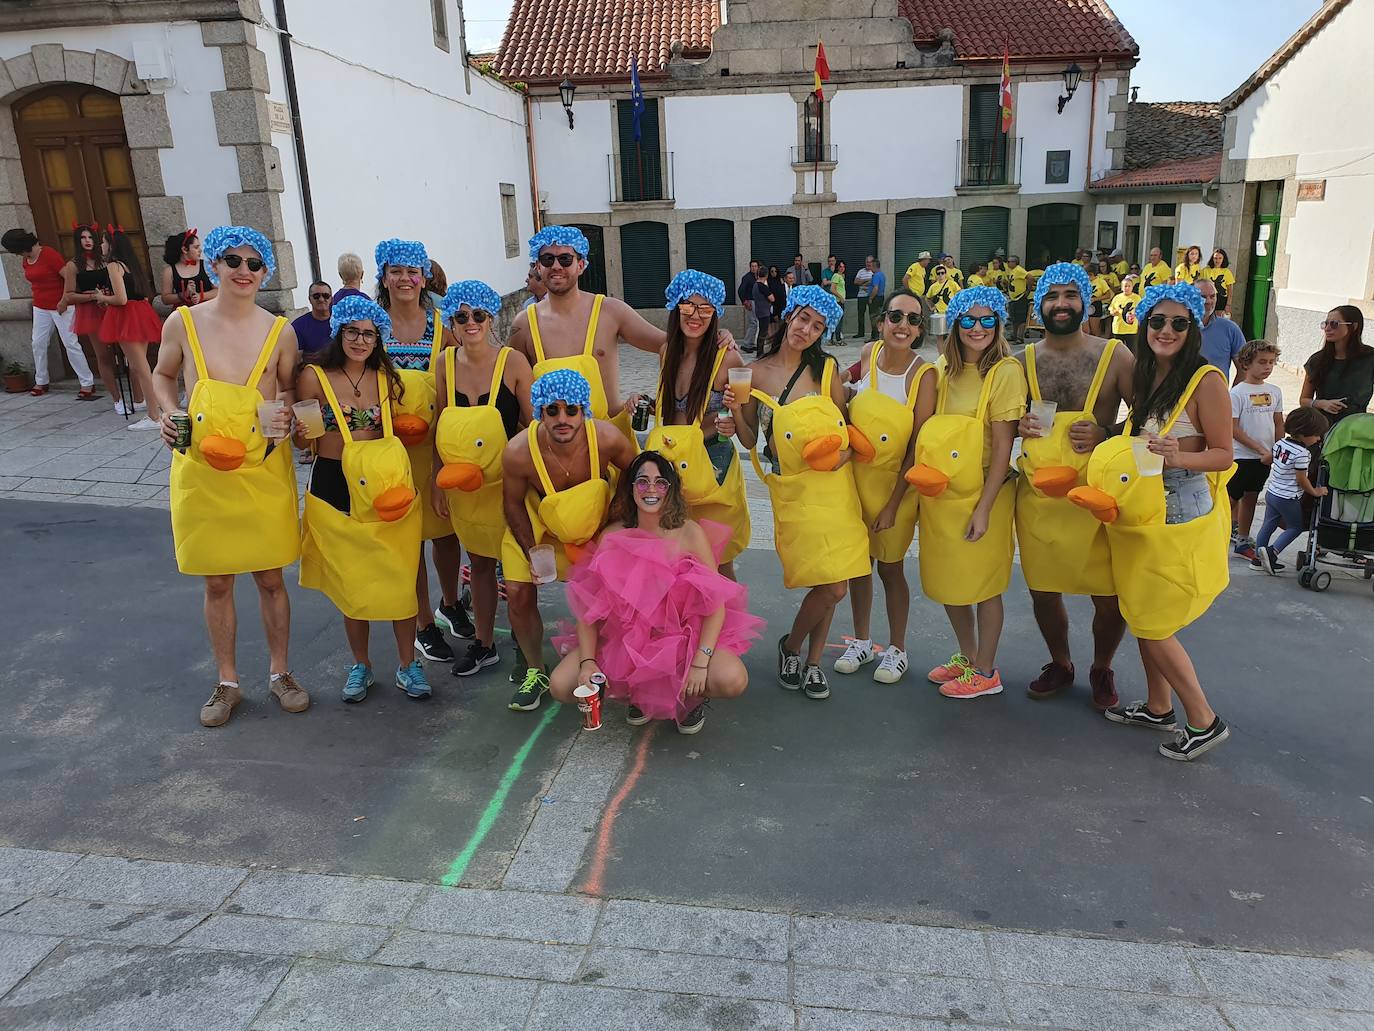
column 1066, row 378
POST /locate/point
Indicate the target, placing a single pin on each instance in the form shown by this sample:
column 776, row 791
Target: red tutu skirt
column 649, row 600
column 135, row 322
column 86, row 318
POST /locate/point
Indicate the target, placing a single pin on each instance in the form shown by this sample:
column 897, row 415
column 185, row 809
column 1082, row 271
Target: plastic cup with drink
column 309, row 415
column 1043, row 414
column 267, row 418
column 1147, row 463
column 741, row 380
column 543, row 564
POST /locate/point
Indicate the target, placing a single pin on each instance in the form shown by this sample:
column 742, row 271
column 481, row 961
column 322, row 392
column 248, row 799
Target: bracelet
column 695, row 666
column 580, row 664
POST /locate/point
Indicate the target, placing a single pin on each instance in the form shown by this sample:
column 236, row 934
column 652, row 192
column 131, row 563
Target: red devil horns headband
column 112, row 229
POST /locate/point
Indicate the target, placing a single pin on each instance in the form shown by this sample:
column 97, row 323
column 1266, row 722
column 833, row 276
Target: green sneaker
column 530, row 692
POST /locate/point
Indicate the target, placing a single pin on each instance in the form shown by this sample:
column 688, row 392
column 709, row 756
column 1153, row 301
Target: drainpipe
column 1092, row 126
column 293, row 104
column 529, row 156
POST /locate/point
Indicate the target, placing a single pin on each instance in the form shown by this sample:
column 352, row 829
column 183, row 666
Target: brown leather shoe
column 216, row 711
column 1103, row 682
column 1053, row 678
column 289, row 694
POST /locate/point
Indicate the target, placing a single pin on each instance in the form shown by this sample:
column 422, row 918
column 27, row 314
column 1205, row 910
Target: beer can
column 639, row 420
column 182, row 422
column 589, row 697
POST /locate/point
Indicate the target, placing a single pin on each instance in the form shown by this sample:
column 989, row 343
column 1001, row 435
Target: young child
column 1288, row 482
column 1257, row 421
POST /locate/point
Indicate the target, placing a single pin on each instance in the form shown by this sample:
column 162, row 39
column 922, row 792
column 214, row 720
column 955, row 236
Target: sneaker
column 1188, row 743
column 359, row 680
column 454, row 619
column 431, row 644
column 477, row 658
column 143, row 424
column 973, row 685
column 635, row 717
column 140, row 406
column 892, row 667
column 858, row 653
column 955, row 668
column 1103, row 683
column 1245, row 551
column 694, row 720
column 1268, row 560
column 1235, row 535
column 289, row 694
column 119, row 407
column 530, row 692
column 518, row 666
column 789, row 667
column 814, row 684
column 216, row 711
column 411, row 680
column 1138, row 714
column 1053, row 678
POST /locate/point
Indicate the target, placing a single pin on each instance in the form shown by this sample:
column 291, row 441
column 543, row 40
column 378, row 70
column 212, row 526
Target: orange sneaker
column 972, row 685
column 955, row 668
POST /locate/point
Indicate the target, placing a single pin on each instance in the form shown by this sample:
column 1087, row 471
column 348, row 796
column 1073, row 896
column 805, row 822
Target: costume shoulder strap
column 384, row 402
column 450, row 372
column 535, row 338
column 592, row 323
column 1033, row 379
column 941, row 385
column 926, row 367
column 436, row 330
column 828, row 374
column 269, row 345
column 193, row 341
column 1187, row 396
column 985, row 394
column 873, row 365
column 498, row 374
column 1099, row 377
column 334, row 403
column 538, row 459
column 593, row 450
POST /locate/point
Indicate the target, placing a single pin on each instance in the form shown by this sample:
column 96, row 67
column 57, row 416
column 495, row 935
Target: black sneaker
column 477, row 658
column 1138, row 714
column 454, row 619
column 1188, row 743
column 530, row 692
column 635, row 717
column 430, row 643
column 693, row 721
column 789, row 667
column 814, row 683
column 518, row 666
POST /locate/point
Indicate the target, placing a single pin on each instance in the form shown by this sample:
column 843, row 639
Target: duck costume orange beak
column 1055, row 481
column 928, row 480
column 393, row 503
column 1098, row 502
column 223, row 453
column 459, row 476
column 863, row 448
column 411, row 429
column 823, row 453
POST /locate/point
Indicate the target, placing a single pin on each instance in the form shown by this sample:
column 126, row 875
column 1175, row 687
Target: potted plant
column 16, row 378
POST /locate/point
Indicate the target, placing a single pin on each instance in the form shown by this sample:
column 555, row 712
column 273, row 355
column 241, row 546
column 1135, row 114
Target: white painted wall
column 1197, row 224
column 1042, row 129
column 572, row 163
column 1299, row 111
column 862, row 122
column 731, row 150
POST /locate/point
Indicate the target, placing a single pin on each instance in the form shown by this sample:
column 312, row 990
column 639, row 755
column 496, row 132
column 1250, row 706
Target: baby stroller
column 1341, row 534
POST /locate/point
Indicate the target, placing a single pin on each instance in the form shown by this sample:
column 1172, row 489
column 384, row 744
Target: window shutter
column 774, row 240
column 644, row 263
column 853, row 237
column 984, row 112
column 593, row 280
column 982, row 232
column 919, row 229
column 641, row 164
column 711, row 249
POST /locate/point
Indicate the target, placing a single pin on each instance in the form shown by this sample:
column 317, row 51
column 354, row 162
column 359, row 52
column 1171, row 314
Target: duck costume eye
column 1125, row 477
column 883, row 438
column 788, row 435
column 362, row 482
column 682, row 466
column 954, row 454
column 200, row 417
column 478, row 442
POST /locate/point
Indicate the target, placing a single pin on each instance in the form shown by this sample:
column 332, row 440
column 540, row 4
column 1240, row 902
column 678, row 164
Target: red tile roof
column 547, row 40
column 1033, row 29
column 1197, row 171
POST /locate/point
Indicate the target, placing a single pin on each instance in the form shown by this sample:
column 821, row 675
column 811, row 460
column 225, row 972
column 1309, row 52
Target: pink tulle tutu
column 648, row 600
column 86, row 318
column 134, row 322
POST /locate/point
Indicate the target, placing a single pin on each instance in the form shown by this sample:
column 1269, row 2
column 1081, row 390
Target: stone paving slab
column 712, row 932
column 1085, row 1009
column 507, row 914
column 33, row 870
column 467, row 954
column 903, row 994
column 1286, row 980
column 1087, row 963
column 303, row 896
column 150, row 883
column 20, row 953
column 100, row 921
column 1276, row 1018
column 812, row 1019
column 269, row 935
column 896, row 947
column 565, row 1007
column 696, row 975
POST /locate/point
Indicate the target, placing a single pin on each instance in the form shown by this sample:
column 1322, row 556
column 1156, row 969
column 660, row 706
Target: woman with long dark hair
column 1218, row 270
column 1339, row 379
column 83, row 279
column 1190, row 268
column 184, row 280
column 129, row 321
column 672, row 640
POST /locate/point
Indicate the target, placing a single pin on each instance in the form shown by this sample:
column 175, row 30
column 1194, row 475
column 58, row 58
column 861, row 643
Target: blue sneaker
column 359, row 680
column 411, row 680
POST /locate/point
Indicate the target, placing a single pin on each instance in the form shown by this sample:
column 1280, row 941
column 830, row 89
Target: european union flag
column 636, row 94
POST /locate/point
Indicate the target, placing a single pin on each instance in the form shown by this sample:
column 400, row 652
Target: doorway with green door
column 1264, row 245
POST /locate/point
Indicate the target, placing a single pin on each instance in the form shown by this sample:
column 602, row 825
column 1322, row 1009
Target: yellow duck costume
column 233, row 503
column 364, row 560
column 818, row 527
column 414, row 427
column 879, row 434
column 1166, row 575
column 1063, row 547
column 566, row 519
column 470, row 442
column 949, row 473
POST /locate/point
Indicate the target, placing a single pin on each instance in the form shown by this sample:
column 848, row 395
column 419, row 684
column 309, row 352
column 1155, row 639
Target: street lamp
column 566, row 89
column 1073, row 75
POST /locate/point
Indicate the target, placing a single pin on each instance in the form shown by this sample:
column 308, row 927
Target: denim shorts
column 1187, row 495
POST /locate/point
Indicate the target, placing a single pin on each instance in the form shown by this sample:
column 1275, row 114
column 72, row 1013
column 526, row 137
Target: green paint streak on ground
column 498, row 801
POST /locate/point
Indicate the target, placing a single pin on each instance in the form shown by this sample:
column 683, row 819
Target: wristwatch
column 708, row 652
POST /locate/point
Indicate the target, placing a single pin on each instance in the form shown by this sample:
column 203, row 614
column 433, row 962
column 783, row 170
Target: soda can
column 589, row 701
column 182, row 422
column 639, row 420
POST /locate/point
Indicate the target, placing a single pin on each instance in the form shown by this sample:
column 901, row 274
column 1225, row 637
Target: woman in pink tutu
column 653, row 614
column 129, row 321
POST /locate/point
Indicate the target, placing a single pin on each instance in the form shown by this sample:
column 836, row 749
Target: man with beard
column 1061, row 552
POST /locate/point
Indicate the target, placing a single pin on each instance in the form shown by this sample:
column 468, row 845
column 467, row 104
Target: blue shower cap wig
column 988, row 296
column 221, row 238
column 689, row 282
column 815, row 297
column 563, row 385
column 356, row 308
column 559, row 236
column 1182, row 293
column 472, row 292
column 1060, row 273
column 402, row 252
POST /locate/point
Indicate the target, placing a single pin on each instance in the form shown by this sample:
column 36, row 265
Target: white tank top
column 893, row 384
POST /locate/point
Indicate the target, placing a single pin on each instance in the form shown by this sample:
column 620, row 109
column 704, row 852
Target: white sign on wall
column 279, row 117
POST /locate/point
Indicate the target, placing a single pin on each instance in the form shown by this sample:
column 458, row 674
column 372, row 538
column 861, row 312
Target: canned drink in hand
column 639, row 420
column 589, row 697
column 182, row 422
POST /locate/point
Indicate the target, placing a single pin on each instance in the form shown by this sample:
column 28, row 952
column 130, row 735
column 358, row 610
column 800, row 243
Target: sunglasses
column 913, row 318
column 1178, row 323
column 553, row 411
column 691, row 310
column 565, row 260
column 319, row 297
column 235, row 260
column 1332, row 324
column 986, row 321
column 478, row 316
column 352, row 334
column 643, row 484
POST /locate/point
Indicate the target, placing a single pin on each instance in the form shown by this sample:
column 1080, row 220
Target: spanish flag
column 1006, row 87
column 822, row 71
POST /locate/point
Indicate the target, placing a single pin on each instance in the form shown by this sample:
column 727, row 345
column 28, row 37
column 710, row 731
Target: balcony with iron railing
column 988, row 163
column 811, row 154
column 640, row 176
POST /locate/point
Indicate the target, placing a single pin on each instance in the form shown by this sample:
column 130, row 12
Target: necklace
column 356, row 391
column 567, row 473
